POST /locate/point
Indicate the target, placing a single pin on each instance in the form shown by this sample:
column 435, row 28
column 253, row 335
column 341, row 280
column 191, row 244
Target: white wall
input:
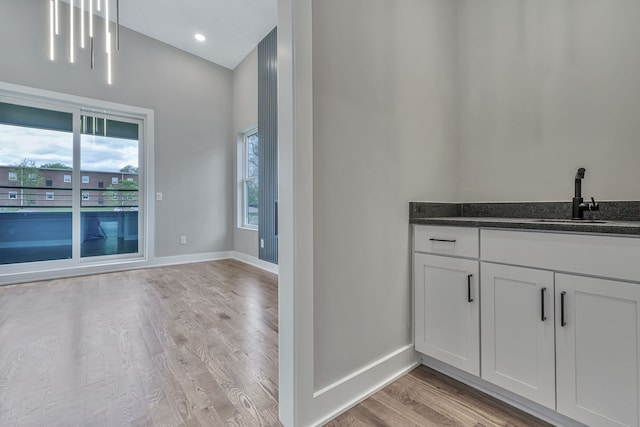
column 245, row 116
column 547, row 86
column 192, row 100
column 391, row 101
column 384, row 134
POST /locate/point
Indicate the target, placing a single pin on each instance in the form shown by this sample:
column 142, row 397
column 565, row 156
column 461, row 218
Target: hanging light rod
column 82, row 24
column 111, row 38
column 72, row 50
column 52, row 30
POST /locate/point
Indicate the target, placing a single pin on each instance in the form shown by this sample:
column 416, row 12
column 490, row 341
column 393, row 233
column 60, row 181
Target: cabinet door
column 517, row 332
column 447, row 310
column 598, row 350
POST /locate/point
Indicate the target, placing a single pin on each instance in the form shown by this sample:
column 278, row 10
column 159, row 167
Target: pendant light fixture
column 54, row 30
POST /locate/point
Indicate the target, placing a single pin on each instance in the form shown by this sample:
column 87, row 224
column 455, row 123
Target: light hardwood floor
column 192, row 345
column 189, row 345
column 426, row 398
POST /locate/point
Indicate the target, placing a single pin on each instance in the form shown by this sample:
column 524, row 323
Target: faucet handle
column 594, row 205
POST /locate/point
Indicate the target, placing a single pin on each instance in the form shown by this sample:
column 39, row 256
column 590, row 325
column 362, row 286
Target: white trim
column 363, row 370
column 256, row 262
column 51, row 272
column 353, row 389
column 245, row 179
column 509, row 398
column 190, row 259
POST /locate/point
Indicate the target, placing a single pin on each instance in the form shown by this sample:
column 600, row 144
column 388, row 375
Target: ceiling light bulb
column 200, row 37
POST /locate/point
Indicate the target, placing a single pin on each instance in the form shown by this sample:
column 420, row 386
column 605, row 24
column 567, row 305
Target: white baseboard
column 256, row 262
column 189, row 259
column 347, row 392
column 506, row 396
column 50, row 271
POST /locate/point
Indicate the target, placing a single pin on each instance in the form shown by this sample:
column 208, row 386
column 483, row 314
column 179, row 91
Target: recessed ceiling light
column 200, row 37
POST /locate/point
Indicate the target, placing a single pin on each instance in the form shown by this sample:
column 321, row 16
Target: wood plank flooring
column 426, row 398
column 188, row 345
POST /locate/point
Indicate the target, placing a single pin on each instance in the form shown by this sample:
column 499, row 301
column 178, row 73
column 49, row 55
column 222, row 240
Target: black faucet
column 579, row 206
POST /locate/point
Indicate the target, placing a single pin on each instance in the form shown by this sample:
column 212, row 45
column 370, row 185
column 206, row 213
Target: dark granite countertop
column 607, row 227
column 621, row 218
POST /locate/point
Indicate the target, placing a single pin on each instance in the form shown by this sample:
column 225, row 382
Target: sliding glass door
column 110, row 186
column 70, row 184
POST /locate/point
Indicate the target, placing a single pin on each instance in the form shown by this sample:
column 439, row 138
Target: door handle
column 542, row 316
column 469, row 298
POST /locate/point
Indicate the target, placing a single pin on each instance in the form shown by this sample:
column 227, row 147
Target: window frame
column 246, row 179
column 78, row 106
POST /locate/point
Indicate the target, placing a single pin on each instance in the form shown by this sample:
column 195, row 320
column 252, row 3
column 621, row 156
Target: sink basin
column 572, row 221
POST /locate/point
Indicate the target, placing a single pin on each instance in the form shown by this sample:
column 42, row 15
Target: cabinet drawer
column 456, row 241
column 606, row 256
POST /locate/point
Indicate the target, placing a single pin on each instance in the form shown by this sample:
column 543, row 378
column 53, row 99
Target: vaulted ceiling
column 232, row 27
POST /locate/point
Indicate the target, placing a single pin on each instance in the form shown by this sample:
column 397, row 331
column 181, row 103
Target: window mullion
column 76, row 189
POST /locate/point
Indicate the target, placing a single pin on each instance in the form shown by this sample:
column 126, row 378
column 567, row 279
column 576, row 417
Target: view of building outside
column 36, row 182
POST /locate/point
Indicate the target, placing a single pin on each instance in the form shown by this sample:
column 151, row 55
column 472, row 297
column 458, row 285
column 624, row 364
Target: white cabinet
column 558, row 321
column 598, row 350
column 447, row 310
column 518, row 331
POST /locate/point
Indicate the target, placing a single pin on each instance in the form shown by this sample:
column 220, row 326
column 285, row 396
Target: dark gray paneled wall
column 268, row 134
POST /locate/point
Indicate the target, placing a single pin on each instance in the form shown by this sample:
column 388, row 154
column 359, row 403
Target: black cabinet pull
column 443, row 240
column 562, row 322
column 542, row 316
column 469, row 288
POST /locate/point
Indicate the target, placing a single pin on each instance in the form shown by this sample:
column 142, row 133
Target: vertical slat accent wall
column 268, row 151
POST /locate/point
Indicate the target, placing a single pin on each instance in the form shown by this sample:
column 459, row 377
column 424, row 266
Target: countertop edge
column 612, row 227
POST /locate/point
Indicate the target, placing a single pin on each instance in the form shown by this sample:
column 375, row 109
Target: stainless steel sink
column 572, row 221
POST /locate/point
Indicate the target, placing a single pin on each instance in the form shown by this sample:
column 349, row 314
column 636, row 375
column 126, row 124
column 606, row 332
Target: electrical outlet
column 159, row 197
column 262, row 243
column 183, row 240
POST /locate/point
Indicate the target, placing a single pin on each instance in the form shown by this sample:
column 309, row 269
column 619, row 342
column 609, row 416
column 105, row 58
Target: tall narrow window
column 250, row 179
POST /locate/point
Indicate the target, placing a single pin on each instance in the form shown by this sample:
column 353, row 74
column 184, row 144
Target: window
column 59, row 228
column 114, row 180
column 130, row 179
column 251, row 162
column 100, row 184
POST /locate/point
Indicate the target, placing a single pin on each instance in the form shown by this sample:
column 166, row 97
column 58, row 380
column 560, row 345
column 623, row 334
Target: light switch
column 158, row 196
